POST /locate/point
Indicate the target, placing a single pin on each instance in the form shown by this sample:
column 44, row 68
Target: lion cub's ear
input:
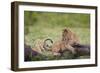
column 66, row 30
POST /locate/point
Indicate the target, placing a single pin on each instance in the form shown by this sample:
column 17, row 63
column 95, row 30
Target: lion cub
column 42, row 45
column 68, row 40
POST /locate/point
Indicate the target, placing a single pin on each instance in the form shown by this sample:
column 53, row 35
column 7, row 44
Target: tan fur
column 68, row 39
column 38, row 45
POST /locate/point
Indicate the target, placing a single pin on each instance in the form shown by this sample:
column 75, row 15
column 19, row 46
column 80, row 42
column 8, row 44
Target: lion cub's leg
column 70, row 48
column 56, row 48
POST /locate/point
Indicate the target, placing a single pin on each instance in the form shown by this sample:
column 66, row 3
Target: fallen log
column 82, row 49
column 29, row 53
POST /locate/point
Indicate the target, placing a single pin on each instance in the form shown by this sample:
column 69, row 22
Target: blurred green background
column 43, row 25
